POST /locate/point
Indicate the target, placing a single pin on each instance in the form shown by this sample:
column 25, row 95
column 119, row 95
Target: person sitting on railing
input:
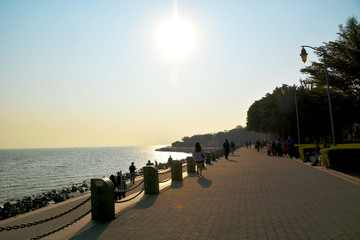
column 121, row 187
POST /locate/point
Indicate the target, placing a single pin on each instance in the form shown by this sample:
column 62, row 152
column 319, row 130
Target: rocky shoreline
column 29, row 203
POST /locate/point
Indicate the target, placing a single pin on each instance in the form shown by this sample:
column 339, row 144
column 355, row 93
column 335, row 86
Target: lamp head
column 303, row 54
column 283, row 89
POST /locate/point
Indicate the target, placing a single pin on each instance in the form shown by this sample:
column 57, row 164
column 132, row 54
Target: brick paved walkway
column 249, row 196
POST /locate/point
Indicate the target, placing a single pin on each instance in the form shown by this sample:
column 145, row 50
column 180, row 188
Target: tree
column 238, row 135
column 343, row 61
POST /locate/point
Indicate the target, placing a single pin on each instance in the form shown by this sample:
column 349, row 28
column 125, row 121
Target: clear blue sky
column 92, row 73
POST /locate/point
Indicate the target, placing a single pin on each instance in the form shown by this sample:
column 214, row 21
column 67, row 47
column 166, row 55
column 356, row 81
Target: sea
column 27, row 172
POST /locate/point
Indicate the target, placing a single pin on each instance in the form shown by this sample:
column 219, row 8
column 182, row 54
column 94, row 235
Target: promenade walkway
column 248, row 196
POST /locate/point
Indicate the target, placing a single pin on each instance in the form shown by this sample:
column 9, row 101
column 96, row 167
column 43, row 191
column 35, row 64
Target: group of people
column 228, row 147
column 316, row 153
column 199, row 155
column 119, row 183
column 277, row 148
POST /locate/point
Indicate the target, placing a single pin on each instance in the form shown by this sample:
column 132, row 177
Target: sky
column 144, row 72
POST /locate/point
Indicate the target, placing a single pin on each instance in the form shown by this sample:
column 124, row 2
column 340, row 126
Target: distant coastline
column 182, row 149
column 175, row 149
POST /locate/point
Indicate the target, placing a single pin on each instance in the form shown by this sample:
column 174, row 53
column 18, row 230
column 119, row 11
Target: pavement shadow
column 204, row 182
column 94, row 232
column 192, row 174
column 147, row 202
column 177, row 184
column 231, row 160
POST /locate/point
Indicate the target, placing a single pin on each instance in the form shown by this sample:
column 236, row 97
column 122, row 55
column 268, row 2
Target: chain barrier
column 165, row 180
column 184, row 165
column 127, row 190
column 63, row 227
column 164, row 172
column 24, row 225
column 132, row 197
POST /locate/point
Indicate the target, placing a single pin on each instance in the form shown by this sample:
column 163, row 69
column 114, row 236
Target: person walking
column 232, row 147
column 269, row 148
column 278, row 148
column 257, row 145
column 226, row 146
column 132, row 169
column 199, row 157
column 291, row 145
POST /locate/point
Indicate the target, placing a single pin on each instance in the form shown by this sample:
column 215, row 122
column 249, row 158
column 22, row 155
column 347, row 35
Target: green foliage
column 304, row 148
column 344, row 157
column 343, row 61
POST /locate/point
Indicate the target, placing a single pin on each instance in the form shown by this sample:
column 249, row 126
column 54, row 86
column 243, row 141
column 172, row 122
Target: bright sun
column 175, row 37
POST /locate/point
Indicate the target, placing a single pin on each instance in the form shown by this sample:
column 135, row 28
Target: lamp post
column 296, row 108
column 303, row 55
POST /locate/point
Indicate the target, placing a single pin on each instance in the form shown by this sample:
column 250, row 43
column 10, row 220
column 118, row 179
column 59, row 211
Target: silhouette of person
column 199, row 157
column 121, row 187
column 132, row 169
column 170, row 161
column 226, row 146
column 232, row 147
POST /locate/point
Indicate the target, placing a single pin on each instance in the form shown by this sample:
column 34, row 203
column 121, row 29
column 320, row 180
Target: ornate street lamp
column 303, row 55
column 283, row 89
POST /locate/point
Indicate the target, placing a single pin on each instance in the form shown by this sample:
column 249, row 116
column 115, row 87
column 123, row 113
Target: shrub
column 344, row 158
column 304, row 148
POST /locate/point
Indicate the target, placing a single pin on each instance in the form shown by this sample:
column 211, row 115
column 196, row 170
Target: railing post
column 208, row 157
column 190, row 165
column 217, row 154
column 221, row 152
column 176, row 171
column 213, row 156
column 102, row 199
column 151, row 180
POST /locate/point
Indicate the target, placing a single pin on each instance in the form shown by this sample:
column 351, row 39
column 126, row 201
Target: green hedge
column 304, row 148
column 343, row 157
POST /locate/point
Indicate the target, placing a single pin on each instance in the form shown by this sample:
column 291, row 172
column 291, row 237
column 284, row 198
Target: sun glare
column 175, row 37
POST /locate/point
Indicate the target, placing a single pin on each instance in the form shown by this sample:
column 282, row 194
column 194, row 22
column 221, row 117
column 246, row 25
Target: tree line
column 239, row 135
column 275, row 113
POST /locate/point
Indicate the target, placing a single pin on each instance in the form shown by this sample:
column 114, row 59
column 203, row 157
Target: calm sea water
column 25, row 172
